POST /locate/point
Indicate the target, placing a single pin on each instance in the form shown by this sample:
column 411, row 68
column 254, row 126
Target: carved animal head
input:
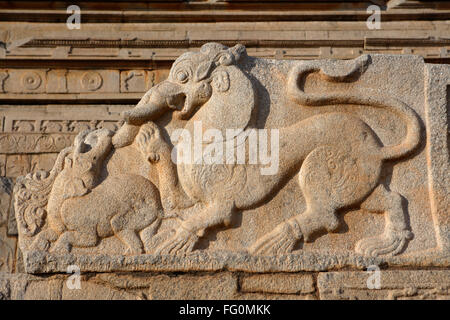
column 75, row 172
column 209, row 78
column 83, row 165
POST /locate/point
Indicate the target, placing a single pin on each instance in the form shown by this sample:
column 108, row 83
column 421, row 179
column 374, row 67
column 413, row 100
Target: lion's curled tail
column 372, row 98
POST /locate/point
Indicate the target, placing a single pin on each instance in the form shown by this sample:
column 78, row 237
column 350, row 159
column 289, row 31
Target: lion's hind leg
column 132, row 240
column 125, row 228
column 320, row 213
column 78, row 239
column 396, row 233
column 283, row 238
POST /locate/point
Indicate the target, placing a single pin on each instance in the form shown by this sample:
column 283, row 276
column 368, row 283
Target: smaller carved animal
column 122, row 205
column 81, row 210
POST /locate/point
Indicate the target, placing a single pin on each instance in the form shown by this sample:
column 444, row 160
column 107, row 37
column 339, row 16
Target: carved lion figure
column 337, row 155
column 79, row 206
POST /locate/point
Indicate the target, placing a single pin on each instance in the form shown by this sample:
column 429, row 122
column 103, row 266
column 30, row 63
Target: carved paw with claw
column 151, row 143
column 390, row 243
column 279, row 241
column 182, row 242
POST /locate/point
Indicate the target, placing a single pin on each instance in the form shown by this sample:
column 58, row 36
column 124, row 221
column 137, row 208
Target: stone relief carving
column 135, row 185
column 62, row 126
column 26, row 143
column 57, row 81
column 3, row 76
column 91, row 81
column 43, row 129
column 2, row 165
column 73, row 216
column 6, row 253
column 136, row 80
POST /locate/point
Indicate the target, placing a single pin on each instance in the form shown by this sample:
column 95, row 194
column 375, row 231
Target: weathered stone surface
column 278, row 283
column 117, row 286
column 7, row 250
column 41, row 262
column 42, row 162
column 124, row 286
column 398, row 284
column 176, row 287
column 438, row 145
column 48, row 129
column 18, row 165
column 260, row 296
column 26, row 287
column 7, row 245
column 92, row 291
column 5, row 198
column 12, row 223
column 2, row 165
column 341, row 134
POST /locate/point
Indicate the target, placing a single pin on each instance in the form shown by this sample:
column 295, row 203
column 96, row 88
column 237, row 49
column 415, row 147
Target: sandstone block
column 278, row 283
column 391, row 285
column 218, row 286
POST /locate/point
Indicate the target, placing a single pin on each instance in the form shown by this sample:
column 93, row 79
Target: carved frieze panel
column 51, row 128
column 34, row 143
column 136, row 80
column 66, row 81
column 278, row 165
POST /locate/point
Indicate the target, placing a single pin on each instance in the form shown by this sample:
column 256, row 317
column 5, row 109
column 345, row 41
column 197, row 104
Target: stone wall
column 56, row 82
column 396, row 285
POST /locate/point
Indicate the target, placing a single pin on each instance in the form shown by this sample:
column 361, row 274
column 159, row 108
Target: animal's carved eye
column 182, row 76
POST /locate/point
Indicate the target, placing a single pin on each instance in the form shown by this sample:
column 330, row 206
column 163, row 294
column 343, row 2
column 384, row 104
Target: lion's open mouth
column 178, row 102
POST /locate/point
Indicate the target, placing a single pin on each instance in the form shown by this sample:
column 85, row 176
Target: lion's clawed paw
column 388, row 244
column 181, row 243
column 280, row 241
column 150, row 142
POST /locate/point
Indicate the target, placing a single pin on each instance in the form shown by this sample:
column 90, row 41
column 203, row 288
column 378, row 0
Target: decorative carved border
column 91, row 43
column 34, row 143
